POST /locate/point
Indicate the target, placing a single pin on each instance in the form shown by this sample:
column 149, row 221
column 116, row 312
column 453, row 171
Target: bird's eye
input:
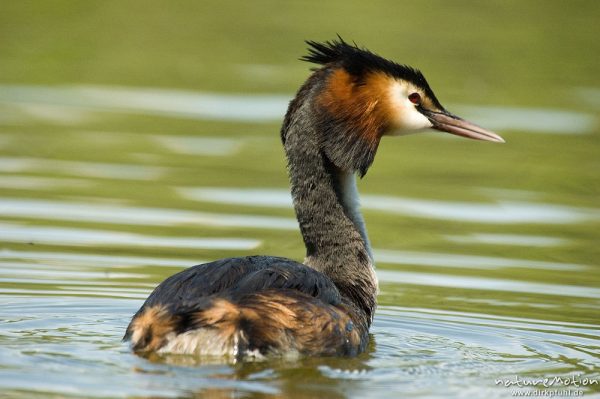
column 414, row 98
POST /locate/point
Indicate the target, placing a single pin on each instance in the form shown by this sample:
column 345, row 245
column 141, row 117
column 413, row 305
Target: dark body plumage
column 273, row 304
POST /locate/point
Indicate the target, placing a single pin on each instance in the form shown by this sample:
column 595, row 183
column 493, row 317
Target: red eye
column 415, row 98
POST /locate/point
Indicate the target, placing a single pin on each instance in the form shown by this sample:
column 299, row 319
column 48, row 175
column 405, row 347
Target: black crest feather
column 358, row 61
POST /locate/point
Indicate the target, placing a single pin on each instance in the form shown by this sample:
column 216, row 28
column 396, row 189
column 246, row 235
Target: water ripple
column 130, row 215
column 78, row 260
column 467, row 261
column 86, row 237
column 193, row 145
column 82, row 168
column 498, row 212
column 483, row 283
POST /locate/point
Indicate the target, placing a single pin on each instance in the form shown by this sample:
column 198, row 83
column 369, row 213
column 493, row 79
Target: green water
column 139, row 138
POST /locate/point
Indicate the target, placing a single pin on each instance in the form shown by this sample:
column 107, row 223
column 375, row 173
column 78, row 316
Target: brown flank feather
column 280, row 319
column 149, row 330
column 267, row 322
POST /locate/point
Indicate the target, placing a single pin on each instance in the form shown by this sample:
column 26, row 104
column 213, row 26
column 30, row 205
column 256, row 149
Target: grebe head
column 357, row 97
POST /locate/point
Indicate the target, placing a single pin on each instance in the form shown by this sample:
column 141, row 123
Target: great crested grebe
column 261, row 305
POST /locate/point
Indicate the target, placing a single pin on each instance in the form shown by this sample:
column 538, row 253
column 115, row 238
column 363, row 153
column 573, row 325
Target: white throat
column 349, row 198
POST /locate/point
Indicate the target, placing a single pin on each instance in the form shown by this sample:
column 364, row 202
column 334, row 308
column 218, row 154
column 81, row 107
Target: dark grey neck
column 325, row 201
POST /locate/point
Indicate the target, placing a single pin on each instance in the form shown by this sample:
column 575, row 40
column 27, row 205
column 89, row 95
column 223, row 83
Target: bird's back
column 250, row 306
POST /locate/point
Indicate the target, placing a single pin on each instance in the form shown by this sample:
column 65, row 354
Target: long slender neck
column 327, row 210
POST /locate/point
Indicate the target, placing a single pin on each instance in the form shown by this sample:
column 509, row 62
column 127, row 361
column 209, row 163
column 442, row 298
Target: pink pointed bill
column 460, row 127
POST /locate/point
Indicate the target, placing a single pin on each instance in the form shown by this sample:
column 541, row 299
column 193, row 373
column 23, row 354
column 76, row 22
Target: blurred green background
column 494, row 51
